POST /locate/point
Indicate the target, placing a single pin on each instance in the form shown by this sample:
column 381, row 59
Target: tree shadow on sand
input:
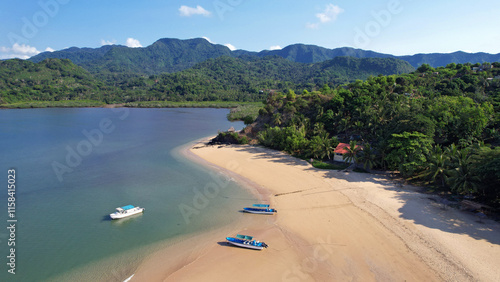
column 272, row 155
column 418, row 207
column 428, row 209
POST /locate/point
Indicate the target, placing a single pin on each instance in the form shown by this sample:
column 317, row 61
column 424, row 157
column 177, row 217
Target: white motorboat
column 125, row 211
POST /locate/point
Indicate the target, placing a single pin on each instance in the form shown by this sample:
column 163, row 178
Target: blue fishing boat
column 245, row 241
column 260, row 209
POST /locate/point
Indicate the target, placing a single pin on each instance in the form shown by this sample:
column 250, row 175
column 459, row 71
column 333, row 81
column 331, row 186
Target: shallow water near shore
column 75, row 166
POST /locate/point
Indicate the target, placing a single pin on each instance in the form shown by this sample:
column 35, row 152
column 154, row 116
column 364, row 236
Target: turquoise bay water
column 75, row 166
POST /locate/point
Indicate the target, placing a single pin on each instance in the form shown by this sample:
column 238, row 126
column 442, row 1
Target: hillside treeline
column 221, row 79
column 440, row 126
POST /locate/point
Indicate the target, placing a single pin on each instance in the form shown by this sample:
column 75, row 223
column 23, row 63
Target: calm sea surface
column 75, row 166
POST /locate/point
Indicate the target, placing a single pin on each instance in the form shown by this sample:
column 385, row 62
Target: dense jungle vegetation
column 437, row 125
column 221, row 79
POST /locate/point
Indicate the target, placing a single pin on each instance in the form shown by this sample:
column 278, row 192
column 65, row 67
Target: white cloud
column 189, row 11
column 312, row 25
column 133, row 43
column 21, row 51
column 24, row 49
column 107, row 42
column 48, row 49
column 208, row 39
column 230, row 46
column 330, row 14
column 275, row 47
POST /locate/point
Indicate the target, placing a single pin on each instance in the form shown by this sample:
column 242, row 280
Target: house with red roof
column 341, row 149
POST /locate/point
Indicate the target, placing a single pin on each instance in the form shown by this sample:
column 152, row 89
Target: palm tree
column 319, row 113
column 367, row 157
column 327, row 145
column 438, row 161
column 350, row 155
column 315, row 147
column 344, row 123
column 318, row 128
column 452, row 151
column 277, row 119
column 301, row 122
column 359, row 125
column 463, row 178
column 321, row 146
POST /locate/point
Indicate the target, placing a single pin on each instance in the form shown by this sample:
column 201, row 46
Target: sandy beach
column 330, row 226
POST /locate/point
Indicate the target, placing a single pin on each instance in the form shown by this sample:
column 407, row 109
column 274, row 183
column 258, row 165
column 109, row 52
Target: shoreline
column 177, row 244
column 183, row 253
column 100, row 104
column 331, row 226
column 231, row 169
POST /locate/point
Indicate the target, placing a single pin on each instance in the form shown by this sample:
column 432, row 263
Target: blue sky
column 400, row 27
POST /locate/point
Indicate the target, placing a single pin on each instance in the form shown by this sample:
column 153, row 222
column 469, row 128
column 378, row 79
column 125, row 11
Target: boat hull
column 259, row 211
column 128, row 213
column 246, row 246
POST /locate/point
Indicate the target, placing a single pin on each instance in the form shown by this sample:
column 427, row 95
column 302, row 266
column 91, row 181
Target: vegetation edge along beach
column 303, row 190
column 436, row 127
column 439, row 126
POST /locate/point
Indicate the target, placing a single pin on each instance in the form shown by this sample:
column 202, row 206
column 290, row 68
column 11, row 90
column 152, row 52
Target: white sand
column 331, row 226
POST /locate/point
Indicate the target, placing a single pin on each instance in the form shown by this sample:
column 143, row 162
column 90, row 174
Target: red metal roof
column 341, row 148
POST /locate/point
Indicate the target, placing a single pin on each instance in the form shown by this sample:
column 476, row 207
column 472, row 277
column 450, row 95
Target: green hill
column 236, row 79
column 172, row 55
column 79, row 56
column 49, row 80
column 165, row 55
column 220, row 79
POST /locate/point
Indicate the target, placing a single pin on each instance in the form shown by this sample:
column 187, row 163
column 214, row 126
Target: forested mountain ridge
column 172, row 55
column 304, row 53
column 441, row 60
column 224, row 78
column 165, row 55
column 79, row 56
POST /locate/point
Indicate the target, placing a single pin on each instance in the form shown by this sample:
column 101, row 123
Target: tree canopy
column 435, row 124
